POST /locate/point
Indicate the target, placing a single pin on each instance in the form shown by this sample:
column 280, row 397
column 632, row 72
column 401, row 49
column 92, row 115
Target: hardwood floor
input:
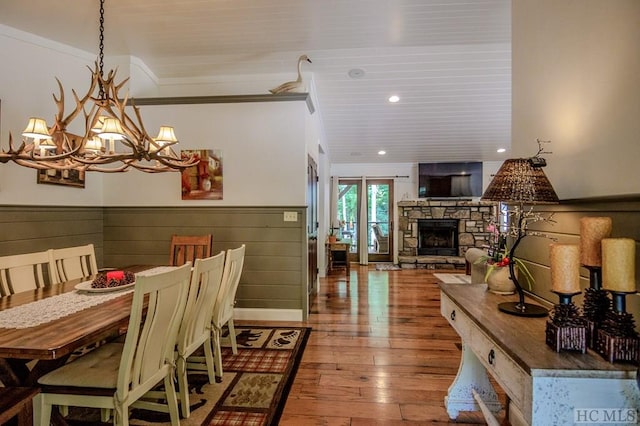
column 380, row 353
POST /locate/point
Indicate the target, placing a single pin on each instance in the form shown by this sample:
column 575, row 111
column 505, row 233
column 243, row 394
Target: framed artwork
column 72, row 178
column 203, row 181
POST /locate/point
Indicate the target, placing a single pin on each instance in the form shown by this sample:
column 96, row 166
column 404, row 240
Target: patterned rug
column 387, row 267
column 254, row 389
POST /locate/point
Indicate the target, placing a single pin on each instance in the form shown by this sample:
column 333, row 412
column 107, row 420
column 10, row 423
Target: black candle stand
column 566, row 329
column 616, row 338
column 597, row 304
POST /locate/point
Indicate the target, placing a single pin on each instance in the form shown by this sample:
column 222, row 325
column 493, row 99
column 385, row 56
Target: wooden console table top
column 523, row 339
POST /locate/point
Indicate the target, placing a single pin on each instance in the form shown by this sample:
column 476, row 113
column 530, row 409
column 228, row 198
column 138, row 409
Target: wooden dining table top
column 60, row 337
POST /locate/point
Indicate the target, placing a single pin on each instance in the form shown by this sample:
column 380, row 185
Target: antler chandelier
column 113, row 141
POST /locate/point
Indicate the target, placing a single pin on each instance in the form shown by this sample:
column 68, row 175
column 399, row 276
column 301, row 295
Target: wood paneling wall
column 274, row 274
column 26, row 229
column 625, row 215
column 275, row 268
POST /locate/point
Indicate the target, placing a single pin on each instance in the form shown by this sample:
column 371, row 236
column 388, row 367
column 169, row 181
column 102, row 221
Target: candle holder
column 616, row 338
column 596, row 303
column 566, row 329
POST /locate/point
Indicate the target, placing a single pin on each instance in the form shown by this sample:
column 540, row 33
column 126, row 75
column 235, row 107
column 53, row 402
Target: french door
column 379, row 214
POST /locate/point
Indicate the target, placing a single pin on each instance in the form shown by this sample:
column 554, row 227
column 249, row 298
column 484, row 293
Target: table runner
column 55, row 307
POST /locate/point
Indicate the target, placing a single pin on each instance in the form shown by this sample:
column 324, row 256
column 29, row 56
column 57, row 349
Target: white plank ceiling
column 449, row 61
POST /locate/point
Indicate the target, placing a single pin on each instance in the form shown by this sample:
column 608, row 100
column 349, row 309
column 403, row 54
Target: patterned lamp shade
column 519, row 181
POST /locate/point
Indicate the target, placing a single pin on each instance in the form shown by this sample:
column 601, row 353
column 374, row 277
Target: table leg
column 471, row 376
column 10, row 374
column 14, row 372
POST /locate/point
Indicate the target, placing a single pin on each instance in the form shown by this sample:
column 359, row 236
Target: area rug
column 387, row 267
column 254, row 388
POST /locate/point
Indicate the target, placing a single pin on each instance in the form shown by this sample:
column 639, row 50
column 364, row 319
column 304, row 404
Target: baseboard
column 257, row 314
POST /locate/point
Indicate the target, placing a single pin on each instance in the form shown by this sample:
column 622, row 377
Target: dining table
column 41, row 329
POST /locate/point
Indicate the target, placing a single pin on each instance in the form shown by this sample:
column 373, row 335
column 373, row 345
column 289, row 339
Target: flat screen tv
column 447, row 180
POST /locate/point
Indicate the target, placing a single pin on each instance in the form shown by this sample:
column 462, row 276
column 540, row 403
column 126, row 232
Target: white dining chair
column 116, row 376
column 73, row 262
column 223, row 309
column 23, row 272
column 195, row 330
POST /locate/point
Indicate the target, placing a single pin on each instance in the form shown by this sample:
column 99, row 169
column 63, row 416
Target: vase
column 206, row 185
column 332, row 239
column 499, row 281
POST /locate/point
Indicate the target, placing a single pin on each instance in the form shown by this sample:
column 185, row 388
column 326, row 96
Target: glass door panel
column 348, row 208
column 379, row 217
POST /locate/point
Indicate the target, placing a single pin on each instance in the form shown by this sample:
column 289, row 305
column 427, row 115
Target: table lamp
column 521, row 181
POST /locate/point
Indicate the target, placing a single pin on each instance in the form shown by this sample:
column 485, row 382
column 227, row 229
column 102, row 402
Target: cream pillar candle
column 592, row 231
column 565, row 268
column 619, row 264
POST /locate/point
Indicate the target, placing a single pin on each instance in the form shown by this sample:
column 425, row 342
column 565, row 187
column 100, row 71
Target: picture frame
column 73, row 178
column 202, row 181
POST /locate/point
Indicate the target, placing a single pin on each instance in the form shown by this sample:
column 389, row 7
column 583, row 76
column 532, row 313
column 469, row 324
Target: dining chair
column 23, row 272
column 195, row 329
column 73, row 262
column 223, row 309
column 116, row 376
column 188, row 248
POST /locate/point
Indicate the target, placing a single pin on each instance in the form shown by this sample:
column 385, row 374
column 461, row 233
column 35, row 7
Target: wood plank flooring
column 380, row 353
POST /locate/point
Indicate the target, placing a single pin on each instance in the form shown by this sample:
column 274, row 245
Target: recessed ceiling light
column 394, row 98
column 356, row 73
column 501, row 150
column 381, row 152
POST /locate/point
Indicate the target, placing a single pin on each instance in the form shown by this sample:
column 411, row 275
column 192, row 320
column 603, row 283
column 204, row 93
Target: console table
column 544, row 387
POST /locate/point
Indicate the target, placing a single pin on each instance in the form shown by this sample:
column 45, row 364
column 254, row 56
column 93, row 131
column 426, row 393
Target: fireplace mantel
column 473, row 218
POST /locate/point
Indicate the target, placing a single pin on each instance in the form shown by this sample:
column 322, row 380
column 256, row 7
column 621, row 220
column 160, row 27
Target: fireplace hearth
column 438, row 237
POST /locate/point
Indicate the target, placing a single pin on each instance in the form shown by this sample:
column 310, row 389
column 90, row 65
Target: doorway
column 379, row 215
column 312, row 229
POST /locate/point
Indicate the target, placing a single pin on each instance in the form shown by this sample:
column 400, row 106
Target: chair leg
column 217, row 354
column 125, row 416
column 232, row 336
column 105, row 414
column 209, row 360
column 41, row 411
column 172, row 401
column 183, row 386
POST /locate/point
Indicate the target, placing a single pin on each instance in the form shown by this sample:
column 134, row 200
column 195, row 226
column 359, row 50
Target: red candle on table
column 115, row 275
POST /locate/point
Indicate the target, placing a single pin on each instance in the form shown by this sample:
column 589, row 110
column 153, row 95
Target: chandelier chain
column 101, row 48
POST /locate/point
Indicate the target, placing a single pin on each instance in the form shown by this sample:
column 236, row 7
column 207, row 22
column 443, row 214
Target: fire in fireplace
column 438, row 237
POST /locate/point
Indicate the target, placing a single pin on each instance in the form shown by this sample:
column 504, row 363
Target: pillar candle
column 565, row 268
column 592, row 231
column 619, row 264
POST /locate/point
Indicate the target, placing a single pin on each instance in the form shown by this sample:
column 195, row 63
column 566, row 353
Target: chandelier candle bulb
column 592, row 231
column 619, row 264
column 565, row 268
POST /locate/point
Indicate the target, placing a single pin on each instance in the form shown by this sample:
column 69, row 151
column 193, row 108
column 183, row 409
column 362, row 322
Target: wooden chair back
column 195, row 329
column 226, row 300
column 71, row 263
column 188, row 248
column 149, row 350
column 23, row 272
column 233, row 265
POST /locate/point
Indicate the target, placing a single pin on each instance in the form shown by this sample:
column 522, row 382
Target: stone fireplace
column 471, row 219
column 438, row 236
